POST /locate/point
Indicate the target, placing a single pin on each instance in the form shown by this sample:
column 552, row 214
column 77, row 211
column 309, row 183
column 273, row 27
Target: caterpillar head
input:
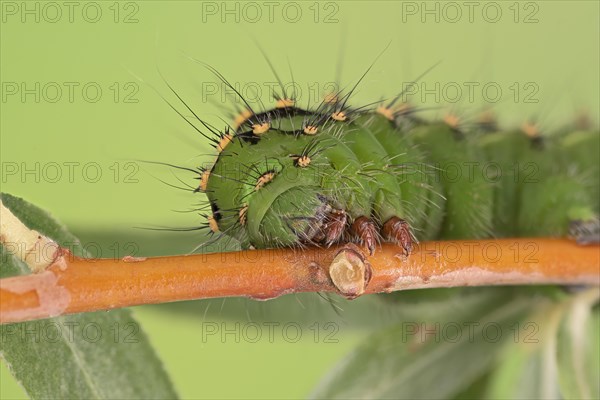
column 265, row 200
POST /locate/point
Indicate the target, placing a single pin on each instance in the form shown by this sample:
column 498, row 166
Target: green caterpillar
column 293, row 176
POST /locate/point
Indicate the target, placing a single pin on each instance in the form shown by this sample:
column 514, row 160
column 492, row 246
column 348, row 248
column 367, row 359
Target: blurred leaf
column 430, row 358
column 93, row 355
column 476, row 390
column 527, row 366
column 370, row 312
column 578, row 350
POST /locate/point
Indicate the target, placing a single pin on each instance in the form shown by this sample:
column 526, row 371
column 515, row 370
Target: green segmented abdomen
column 469, row 198
column 544, row 184
column 565, row 191
column 508, row 167
column 580, row 150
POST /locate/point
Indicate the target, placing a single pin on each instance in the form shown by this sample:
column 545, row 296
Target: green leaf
column 367, row 312
column 527, row 366
column 476, row 390
column 555, row 353
column 578, row 350
column 94, row 355
column 433, row 357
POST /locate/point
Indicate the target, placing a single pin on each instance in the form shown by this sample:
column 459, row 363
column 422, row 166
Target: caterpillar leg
column 327, row 227
column 334, row 227
column 366, row 230
column 585, row 232
column 397, row 230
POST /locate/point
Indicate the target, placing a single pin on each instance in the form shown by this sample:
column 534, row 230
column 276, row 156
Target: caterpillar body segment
column 509, row 166
column 420, row 184
column 581, row 153
column 418, row 188
column 548, row 206
column 546, row 184
column 469, row 198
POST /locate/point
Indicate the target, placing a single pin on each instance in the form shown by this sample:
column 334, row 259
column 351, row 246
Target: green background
column 553, row 45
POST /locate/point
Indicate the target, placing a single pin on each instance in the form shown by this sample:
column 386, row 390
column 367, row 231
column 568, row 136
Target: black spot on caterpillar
column 294, row 176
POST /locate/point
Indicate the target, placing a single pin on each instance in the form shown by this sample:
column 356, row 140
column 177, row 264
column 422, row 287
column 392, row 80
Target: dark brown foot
column 334, row 226
column 366, row 230
column 585, row 232
column 397, row 230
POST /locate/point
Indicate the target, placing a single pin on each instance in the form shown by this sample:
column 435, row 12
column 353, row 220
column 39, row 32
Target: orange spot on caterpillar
column 225, row 140
column 303, row 161
column 310, row 130
column 259, row 129
column 204, row 180
column 282, row 103
column 451, row 120
column 212, row 223
column 530, row 129
column 386, row 112
column 241, row 118
column 330, row 98
column 339, row 116
column 243, row 214
column 264, row 179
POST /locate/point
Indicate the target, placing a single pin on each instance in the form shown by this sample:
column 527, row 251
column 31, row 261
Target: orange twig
column 73, row 285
